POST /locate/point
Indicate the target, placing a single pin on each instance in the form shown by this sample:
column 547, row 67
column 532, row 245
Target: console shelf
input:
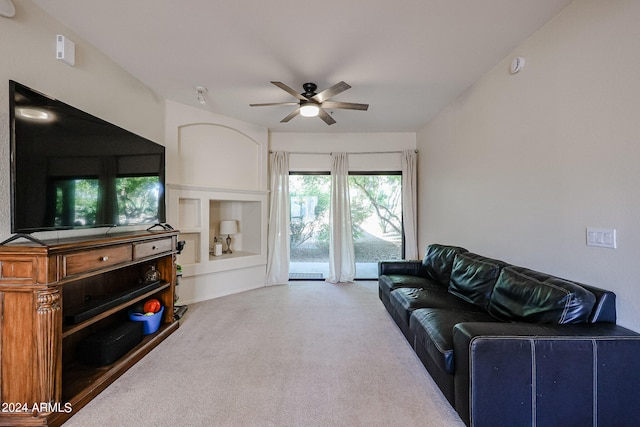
column 83, row 382
column 70, row 329
column 54, row 295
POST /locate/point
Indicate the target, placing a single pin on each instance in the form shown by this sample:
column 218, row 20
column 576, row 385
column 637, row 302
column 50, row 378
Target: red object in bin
column 152, row 306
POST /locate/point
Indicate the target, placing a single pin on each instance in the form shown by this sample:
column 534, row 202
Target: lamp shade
column 228, row 227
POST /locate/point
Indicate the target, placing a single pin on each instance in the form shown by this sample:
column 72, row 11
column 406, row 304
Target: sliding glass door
column 309, row 238
column 376, row 214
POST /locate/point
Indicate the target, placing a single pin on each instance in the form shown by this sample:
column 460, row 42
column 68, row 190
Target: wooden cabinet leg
column 49, row 350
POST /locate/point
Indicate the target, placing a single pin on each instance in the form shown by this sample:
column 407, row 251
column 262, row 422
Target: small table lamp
column 228, row 227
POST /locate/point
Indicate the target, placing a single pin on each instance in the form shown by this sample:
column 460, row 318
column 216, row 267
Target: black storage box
column 105, row 347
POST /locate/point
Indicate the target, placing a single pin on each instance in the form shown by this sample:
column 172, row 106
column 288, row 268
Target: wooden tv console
column 42, row 287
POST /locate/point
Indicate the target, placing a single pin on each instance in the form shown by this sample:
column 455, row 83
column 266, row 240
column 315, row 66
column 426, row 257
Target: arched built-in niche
column 218, row 156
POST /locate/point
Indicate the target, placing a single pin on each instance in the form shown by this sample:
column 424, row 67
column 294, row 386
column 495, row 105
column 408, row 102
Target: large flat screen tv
column 71, row 170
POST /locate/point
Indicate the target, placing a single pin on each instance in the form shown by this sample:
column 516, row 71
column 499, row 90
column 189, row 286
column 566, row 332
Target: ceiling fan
column 312, row 104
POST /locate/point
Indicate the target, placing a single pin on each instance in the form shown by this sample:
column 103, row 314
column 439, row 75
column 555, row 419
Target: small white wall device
column 7, row 9
column 517, row 64
column 65, row 50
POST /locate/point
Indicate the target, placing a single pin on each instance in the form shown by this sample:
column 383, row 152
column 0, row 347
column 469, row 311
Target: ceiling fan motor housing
column 309, row 89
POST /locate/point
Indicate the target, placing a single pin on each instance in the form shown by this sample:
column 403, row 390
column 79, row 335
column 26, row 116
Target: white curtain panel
column 409, row 204
column 342, row 258
column 278, row 240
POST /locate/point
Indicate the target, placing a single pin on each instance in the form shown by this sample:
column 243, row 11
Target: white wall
column 520, row 165
column 216, row 169
column 346, row 142
column 95, row 84
column 214, row 156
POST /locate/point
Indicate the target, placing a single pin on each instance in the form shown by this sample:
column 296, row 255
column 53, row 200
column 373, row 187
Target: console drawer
column 95, row 259
column 146, row 249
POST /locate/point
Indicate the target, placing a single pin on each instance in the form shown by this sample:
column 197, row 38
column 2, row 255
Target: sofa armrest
column 407, row 267
column 532, row 374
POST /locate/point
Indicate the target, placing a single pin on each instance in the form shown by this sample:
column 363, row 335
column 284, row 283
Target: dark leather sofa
column 509, row 346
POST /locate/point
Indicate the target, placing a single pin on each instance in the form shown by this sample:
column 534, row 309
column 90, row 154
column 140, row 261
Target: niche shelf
column 198, row 211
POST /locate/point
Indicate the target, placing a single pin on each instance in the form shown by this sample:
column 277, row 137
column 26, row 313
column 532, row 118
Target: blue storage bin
column 150, row 323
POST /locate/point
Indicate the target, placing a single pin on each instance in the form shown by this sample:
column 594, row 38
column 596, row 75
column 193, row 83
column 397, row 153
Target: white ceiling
column 408, row 59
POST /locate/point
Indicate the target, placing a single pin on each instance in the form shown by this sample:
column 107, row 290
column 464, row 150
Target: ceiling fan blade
column 291, row 116
column 274, row 103
column 345, row 105
column 332, row 91
column 289, row 90
column 326, row 117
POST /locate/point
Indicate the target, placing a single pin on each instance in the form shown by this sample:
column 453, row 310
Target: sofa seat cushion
column 523, row 295
column 394, row 281
column 473, row 277
column 405, row 300
column 438, row 262
column 433, row 330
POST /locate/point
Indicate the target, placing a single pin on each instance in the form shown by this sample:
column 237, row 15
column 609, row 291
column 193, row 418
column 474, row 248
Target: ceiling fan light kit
column 312, row 104
column 309, row 110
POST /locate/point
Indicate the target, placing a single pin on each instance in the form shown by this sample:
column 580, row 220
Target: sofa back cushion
column 523, row 295
column 438, row 262
column 473, row 277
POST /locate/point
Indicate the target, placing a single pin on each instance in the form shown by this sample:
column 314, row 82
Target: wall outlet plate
column 601, row 237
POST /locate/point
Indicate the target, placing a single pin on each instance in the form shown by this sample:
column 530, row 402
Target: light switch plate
column 601, row 237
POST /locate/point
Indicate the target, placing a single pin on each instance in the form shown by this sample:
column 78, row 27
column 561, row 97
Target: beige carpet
column 305, row 354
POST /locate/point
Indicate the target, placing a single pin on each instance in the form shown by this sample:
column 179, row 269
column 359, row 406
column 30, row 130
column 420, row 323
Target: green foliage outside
column 309, row 192
column 77, row 200
column 370, row 194
column 382, row 194
column 137, row 199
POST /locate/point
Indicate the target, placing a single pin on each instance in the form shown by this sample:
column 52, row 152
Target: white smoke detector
column 517, row 64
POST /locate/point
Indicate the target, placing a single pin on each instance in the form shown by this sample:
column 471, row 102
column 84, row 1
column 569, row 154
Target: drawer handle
column 104, row 258
column 154, row 248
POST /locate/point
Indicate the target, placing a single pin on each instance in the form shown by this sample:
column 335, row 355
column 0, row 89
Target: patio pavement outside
column 311, row 259
column 311, row 270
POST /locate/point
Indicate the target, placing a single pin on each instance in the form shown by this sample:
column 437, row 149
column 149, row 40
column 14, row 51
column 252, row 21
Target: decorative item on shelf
column 152, row 275
column 217, row 246
column 228, row 227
